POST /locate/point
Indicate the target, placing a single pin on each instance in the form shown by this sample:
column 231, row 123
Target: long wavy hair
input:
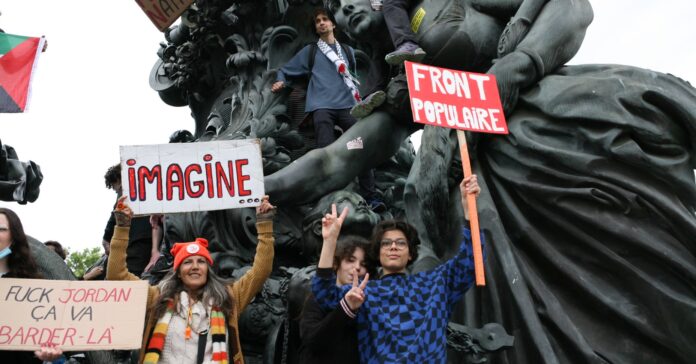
column 214, row 292
column 21, row 263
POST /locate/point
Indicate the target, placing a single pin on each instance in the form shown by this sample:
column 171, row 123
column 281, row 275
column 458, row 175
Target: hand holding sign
column 469, row 186
column 48, row 352
column 265, row 211
column 122, row 212
column 464, row 101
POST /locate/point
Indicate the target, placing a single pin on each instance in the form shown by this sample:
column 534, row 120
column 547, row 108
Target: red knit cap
column 181, row 251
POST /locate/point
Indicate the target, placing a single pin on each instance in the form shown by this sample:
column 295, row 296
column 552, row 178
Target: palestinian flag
column 18, row 58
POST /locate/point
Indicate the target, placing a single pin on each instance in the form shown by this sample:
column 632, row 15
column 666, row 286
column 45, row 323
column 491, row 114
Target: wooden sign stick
column 473, row 213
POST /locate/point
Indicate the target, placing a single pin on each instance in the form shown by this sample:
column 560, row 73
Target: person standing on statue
column 332, row 90
column 401, row 318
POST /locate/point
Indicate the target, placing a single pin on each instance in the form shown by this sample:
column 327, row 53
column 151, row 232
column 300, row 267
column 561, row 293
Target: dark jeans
column 398, row 23
column 324, row 121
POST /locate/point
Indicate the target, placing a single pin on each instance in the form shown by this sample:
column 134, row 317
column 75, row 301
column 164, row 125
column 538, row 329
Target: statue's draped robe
column 591, row 219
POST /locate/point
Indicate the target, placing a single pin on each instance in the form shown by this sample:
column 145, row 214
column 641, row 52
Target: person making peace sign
column 400, row 317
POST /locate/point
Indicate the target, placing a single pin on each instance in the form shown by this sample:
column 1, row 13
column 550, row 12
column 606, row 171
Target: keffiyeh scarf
column 340, row 62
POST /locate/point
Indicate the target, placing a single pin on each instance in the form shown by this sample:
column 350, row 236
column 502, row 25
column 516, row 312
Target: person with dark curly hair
column 56, row 247
column 332, row 337
column 400, row 317
column 144, row 239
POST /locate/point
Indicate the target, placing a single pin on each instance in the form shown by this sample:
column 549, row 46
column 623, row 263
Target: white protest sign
column 74, row 315
column 185, row 177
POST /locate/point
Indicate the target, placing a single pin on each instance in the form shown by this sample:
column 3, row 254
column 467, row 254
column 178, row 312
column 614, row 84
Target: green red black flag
column 18, row 58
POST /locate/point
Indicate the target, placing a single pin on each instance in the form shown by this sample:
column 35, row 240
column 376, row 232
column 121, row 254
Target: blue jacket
column 326, row 89
column 404, row 317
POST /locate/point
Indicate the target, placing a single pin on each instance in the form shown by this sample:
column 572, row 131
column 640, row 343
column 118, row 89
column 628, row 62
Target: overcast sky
column 91, row 94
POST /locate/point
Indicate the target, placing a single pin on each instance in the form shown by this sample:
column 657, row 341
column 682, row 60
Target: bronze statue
column 588, row 206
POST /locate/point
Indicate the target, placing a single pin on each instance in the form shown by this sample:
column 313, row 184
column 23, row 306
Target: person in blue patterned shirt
column 401, row 318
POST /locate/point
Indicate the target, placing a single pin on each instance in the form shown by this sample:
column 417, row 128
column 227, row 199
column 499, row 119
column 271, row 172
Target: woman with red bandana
column 193, row 313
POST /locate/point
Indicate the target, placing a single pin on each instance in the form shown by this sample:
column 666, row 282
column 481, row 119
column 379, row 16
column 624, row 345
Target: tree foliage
column 79, row 261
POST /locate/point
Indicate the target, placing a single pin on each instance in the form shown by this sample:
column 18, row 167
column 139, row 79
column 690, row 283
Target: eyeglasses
column 387, row 243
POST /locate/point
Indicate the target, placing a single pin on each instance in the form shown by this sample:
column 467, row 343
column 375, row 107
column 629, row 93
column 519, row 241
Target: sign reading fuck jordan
column 186, row 177
column 455, row 99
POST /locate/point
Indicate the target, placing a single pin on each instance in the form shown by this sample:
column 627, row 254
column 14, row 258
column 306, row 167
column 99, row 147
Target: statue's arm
column 366, row 144
column 551, row 40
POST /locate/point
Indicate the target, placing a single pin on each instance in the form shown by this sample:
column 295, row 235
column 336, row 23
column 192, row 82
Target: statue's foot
column 408, row 51
column 365, row 107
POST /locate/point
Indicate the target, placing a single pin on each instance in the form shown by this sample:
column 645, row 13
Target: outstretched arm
column 552, row 39
column 459, row 271
column 251, row 282
column 297, row 66
column 116, row 269
column 324, row 286
column 378, row 137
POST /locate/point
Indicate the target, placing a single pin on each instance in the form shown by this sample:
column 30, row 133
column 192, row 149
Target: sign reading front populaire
column 73, row 315
column 192, row 176
column 455, row 99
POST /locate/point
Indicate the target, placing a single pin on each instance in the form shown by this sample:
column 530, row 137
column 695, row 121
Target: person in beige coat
column 193, row 314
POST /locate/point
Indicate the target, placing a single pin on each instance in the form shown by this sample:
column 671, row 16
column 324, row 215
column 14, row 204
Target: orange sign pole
column 473, row 213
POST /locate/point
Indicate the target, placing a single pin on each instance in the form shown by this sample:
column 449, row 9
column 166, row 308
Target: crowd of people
column 192, row 314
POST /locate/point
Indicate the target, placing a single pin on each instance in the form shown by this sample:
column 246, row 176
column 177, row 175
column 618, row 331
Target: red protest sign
column 455, row 99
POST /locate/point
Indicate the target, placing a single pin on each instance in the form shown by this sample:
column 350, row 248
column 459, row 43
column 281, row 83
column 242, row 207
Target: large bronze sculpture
column 588, row 206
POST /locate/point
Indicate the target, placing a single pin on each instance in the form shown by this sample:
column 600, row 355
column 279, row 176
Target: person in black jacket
column 332, row 337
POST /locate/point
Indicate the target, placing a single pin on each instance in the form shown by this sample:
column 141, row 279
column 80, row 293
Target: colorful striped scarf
column 217, row 331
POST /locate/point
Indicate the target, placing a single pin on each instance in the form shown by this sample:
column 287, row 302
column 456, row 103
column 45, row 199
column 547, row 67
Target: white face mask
column 5, row 252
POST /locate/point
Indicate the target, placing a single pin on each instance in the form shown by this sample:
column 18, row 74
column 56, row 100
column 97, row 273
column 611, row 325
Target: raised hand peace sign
column 356, row 296
column 331, row 223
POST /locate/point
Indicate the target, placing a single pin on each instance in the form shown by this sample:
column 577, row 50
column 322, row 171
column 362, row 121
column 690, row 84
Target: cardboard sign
column 163, row 13
column 455, row 99
column 192, row 176
column 74, row 315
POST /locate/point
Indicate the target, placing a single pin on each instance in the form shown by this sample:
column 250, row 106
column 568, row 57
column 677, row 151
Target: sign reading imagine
column 192, row 176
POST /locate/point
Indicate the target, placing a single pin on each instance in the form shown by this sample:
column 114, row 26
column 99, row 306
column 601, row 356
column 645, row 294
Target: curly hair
column 21, row 263
column 57, row 247
column 345, row 247
column 112, row 176
column 409, row 231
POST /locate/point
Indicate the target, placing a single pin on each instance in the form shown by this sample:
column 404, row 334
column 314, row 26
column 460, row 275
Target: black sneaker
column 407, row 51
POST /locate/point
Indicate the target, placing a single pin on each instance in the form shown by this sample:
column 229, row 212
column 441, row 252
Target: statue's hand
column 513, row 72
